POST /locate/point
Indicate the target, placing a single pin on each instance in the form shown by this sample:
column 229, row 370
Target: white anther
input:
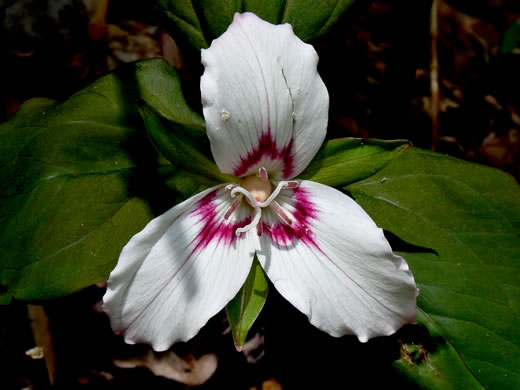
column 292, row 184
column 233, row 206
column 279, row 211
column 262, row 174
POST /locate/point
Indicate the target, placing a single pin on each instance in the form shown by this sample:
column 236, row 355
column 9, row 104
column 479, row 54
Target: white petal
column 182, row 269
column 263, row 99
column 335, row 265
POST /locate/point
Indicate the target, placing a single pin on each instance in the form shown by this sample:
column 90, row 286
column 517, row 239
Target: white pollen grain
column 225, row 115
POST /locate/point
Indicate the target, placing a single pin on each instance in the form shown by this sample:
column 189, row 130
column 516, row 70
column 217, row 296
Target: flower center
column 260, row 189
column 259, row 193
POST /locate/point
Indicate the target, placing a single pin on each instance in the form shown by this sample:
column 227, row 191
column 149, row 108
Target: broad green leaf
column 311, row 19
column 244, row 309
column 344, row 161
column 184, row 145
column 79, row 178
column 511, row 39
column 469, row 216
column 201, row 21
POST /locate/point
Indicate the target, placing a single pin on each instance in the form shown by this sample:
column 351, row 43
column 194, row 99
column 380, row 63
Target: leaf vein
column 477, row 324
column 464, row 293
column 452, row 345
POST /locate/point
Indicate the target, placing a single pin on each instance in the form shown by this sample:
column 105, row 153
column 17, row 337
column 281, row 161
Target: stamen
column 233, row 206
column 278, row 210
column 262, row 174
column 254, row 222
column 291, row 185
column 273, row 195
column 240, row 192
column 260, row 228
column 229, row 187
column 250, row 198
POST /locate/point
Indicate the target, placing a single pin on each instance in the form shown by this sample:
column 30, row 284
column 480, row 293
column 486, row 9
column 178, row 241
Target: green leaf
column 344, row 161
column 431, row 362
column 311, row 19
column 156, row 84
column 511, row 39
column 184, row 145
column 244, row 309
column 201, row 21
column 469, row 216
column 181, row 19
column 79, row 178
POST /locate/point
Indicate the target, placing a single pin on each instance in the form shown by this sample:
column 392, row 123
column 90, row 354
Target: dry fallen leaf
column 187, row 370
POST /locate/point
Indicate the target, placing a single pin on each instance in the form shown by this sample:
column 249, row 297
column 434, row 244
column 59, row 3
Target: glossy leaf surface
column 462, row 221
column 79, row 178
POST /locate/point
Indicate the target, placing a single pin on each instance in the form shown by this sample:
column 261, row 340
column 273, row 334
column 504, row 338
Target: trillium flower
column 266, row 110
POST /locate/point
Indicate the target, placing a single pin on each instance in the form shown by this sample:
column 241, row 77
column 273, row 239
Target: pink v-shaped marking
column 267, row 148
column 214, row 227
column 283, row 234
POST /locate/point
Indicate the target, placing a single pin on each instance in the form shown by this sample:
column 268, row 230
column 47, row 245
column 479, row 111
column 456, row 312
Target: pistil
column 260, row 189
column 253, row 224
column 257, row 190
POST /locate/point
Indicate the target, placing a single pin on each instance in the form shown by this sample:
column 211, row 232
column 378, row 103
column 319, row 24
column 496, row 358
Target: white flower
column 266, row 111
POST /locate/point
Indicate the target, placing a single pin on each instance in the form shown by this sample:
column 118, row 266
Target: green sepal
column 341, row 162
column 245, row 307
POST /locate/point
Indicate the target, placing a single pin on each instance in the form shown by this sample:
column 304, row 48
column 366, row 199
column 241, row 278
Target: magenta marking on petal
column 301, row 228
column 260, row 228
column 267, row 148
column 304, row 204
column 214, row 227
column 288, row 166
